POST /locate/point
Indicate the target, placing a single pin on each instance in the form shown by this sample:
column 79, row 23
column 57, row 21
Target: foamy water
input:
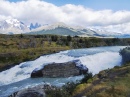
column 96, row 59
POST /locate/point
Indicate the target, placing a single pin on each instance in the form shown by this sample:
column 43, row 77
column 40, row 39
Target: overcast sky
column 74, row 12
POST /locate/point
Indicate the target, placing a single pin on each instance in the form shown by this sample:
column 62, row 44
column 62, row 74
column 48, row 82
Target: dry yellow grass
column 80, row 88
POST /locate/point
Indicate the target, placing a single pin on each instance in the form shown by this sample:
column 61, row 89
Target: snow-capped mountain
column 63, row 29
column 58, row 24
column 13, row 26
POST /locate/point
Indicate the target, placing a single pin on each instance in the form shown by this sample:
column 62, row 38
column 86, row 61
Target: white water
column 96, row 59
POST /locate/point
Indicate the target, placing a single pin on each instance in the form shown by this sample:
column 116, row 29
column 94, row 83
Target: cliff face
column 66, row 69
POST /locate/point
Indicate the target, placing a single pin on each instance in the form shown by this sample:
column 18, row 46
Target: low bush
column 87, row 77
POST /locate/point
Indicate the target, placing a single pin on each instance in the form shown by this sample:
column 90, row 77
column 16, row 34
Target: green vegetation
column 18, row 48
column 87, row 78
column 65, row 91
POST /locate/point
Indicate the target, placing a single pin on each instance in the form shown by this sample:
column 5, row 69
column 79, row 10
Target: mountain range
column 14, row 26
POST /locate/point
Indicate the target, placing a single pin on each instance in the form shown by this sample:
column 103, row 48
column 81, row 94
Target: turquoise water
column 95, row 59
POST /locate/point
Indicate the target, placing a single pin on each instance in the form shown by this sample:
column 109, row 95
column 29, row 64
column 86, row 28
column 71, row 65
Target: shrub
column 65, row 91
column 87, row 77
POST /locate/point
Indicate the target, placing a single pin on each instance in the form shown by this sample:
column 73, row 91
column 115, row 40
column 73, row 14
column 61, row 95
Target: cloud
column 32, row 11
column 119, row 28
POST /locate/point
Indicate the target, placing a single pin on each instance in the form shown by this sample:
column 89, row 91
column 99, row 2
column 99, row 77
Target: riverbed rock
column 67, row 69
column 37, row 91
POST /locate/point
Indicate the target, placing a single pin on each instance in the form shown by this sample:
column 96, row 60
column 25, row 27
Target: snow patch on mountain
column 50, row 27
column 13, row 26
column 56, row 25
column 75, row 29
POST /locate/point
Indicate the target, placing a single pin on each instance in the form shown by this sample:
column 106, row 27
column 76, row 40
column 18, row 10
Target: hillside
column 56, row 31
column 108, row 83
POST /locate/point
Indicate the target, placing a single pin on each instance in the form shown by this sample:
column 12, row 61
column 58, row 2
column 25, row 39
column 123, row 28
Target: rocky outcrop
column 67, row 69
column 37, row 91
column 125, row 53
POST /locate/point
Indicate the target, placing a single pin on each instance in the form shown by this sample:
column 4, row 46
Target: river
column 96, row 59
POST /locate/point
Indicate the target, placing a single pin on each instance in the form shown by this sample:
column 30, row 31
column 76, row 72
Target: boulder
column 30, row 92
column 67, row 69
column 37, row 73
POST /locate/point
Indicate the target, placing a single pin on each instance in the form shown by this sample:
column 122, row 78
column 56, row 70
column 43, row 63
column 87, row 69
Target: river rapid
column 95, row 59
